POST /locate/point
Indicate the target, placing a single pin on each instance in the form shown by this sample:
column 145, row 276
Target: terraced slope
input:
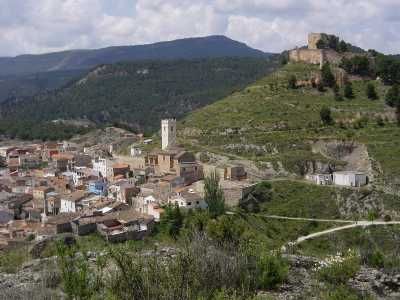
column 278, row 128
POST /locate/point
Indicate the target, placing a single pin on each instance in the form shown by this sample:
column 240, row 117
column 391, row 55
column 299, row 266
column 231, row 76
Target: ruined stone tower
column 168, row 133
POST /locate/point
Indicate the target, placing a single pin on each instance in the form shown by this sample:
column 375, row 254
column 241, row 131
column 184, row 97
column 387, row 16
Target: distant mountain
column 27, row 75
column 31, row 84
column 189, row 48
column 135, row 94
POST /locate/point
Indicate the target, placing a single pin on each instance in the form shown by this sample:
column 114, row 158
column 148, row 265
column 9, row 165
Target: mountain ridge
column 187, row 48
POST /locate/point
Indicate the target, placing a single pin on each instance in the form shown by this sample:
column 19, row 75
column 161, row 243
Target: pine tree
column 214, row 196
column 326, row 116
column 348, row 90
column 371, row 92
column 292, row 83
column 328, row 78
column 393, row 96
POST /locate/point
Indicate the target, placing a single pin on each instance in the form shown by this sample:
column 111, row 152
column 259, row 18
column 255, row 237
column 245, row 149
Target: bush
column 393, row 96
column 348, row 90
column 371, row 92
column 339, row 270
column 342, row 293
column 273, row 270
column 292, row 82
column 326, row 116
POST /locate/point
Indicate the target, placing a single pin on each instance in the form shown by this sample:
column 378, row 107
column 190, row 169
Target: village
column 53, row 188
column 57, row 187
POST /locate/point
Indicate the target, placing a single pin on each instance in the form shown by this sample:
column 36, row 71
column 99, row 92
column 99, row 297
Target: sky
column 40, row 26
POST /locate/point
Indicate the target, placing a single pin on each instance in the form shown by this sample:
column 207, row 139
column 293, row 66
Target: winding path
column 350, row 224
column 353, row 225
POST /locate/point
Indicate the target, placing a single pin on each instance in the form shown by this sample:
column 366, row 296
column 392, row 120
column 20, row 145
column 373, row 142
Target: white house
column 350, row 178
column 135, row 151
column 187, row 198
column 104, row 166
column 320, row 179
column 71, row 202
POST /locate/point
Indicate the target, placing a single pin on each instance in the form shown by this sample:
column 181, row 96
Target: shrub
column 273, row 270
column 338, row 270
column 326, row 116
column 348, row 90
column 371, row 92
column 292, row 82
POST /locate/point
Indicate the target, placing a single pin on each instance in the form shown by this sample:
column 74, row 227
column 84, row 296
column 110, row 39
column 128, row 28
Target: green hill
column 269, row 123
column 135, row 94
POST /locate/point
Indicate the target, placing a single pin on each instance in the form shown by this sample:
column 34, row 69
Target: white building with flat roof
column 350, row 178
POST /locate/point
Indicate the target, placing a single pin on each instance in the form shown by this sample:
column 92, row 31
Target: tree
column 171, row 220
column 326, row 116
column 388, row 69
column 263, row 191
column 343, row 46
column 292, row 82
column 393, row 96
column 328, row 78
column 273, row 270
column 371, row 92
column 348, row 90
column 213, row 195
column 336, row 93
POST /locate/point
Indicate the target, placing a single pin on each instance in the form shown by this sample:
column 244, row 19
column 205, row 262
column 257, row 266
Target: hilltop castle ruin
column 313, row 54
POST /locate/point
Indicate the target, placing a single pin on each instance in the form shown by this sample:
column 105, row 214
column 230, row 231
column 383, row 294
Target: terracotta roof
column 75, row 196
column 120, row 166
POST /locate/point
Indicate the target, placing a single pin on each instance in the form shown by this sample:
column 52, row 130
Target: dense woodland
column 136, row 94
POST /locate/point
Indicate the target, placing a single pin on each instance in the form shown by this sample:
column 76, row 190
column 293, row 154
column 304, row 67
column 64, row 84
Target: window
column 189, row 203
column 172, row 128
column 197, row 202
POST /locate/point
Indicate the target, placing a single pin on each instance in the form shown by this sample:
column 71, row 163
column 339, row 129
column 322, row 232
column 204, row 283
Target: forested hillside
column 136, row 94
column 27, row 75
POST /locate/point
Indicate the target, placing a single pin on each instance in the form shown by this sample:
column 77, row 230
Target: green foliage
column 388, row 69
column 357, row 65
column 200, row 270
column 273, row 270
column 372, row 215
column 137, row 94
column 78, row 280
column 326, row 116
column 263, row 191
column 377, row 259
column 340, row 272
column 171, row 221
column 292, row 82
column 225, row 230
column 393, row 96
column 342, row 292
column 348, row 90
column 11, row 261
column 328, row 79
column 371, row 91
column 213, row 195
column 343, row 46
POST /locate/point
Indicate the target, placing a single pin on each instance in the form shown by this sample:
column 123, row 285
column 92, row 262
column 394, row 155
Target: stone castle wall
column 311, row 56
column 315, row 56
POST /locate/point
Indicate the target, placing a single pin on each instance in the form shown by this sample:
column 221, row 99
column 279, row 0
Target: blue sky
column 39, row 26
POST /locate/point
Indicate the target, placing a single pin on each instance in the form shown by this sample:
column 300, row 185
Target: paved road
column 355, row 224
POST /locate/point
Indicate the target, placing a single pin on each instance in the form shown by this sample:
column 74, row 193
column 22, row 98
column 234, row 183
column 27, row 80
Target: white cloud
column 36, row 26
